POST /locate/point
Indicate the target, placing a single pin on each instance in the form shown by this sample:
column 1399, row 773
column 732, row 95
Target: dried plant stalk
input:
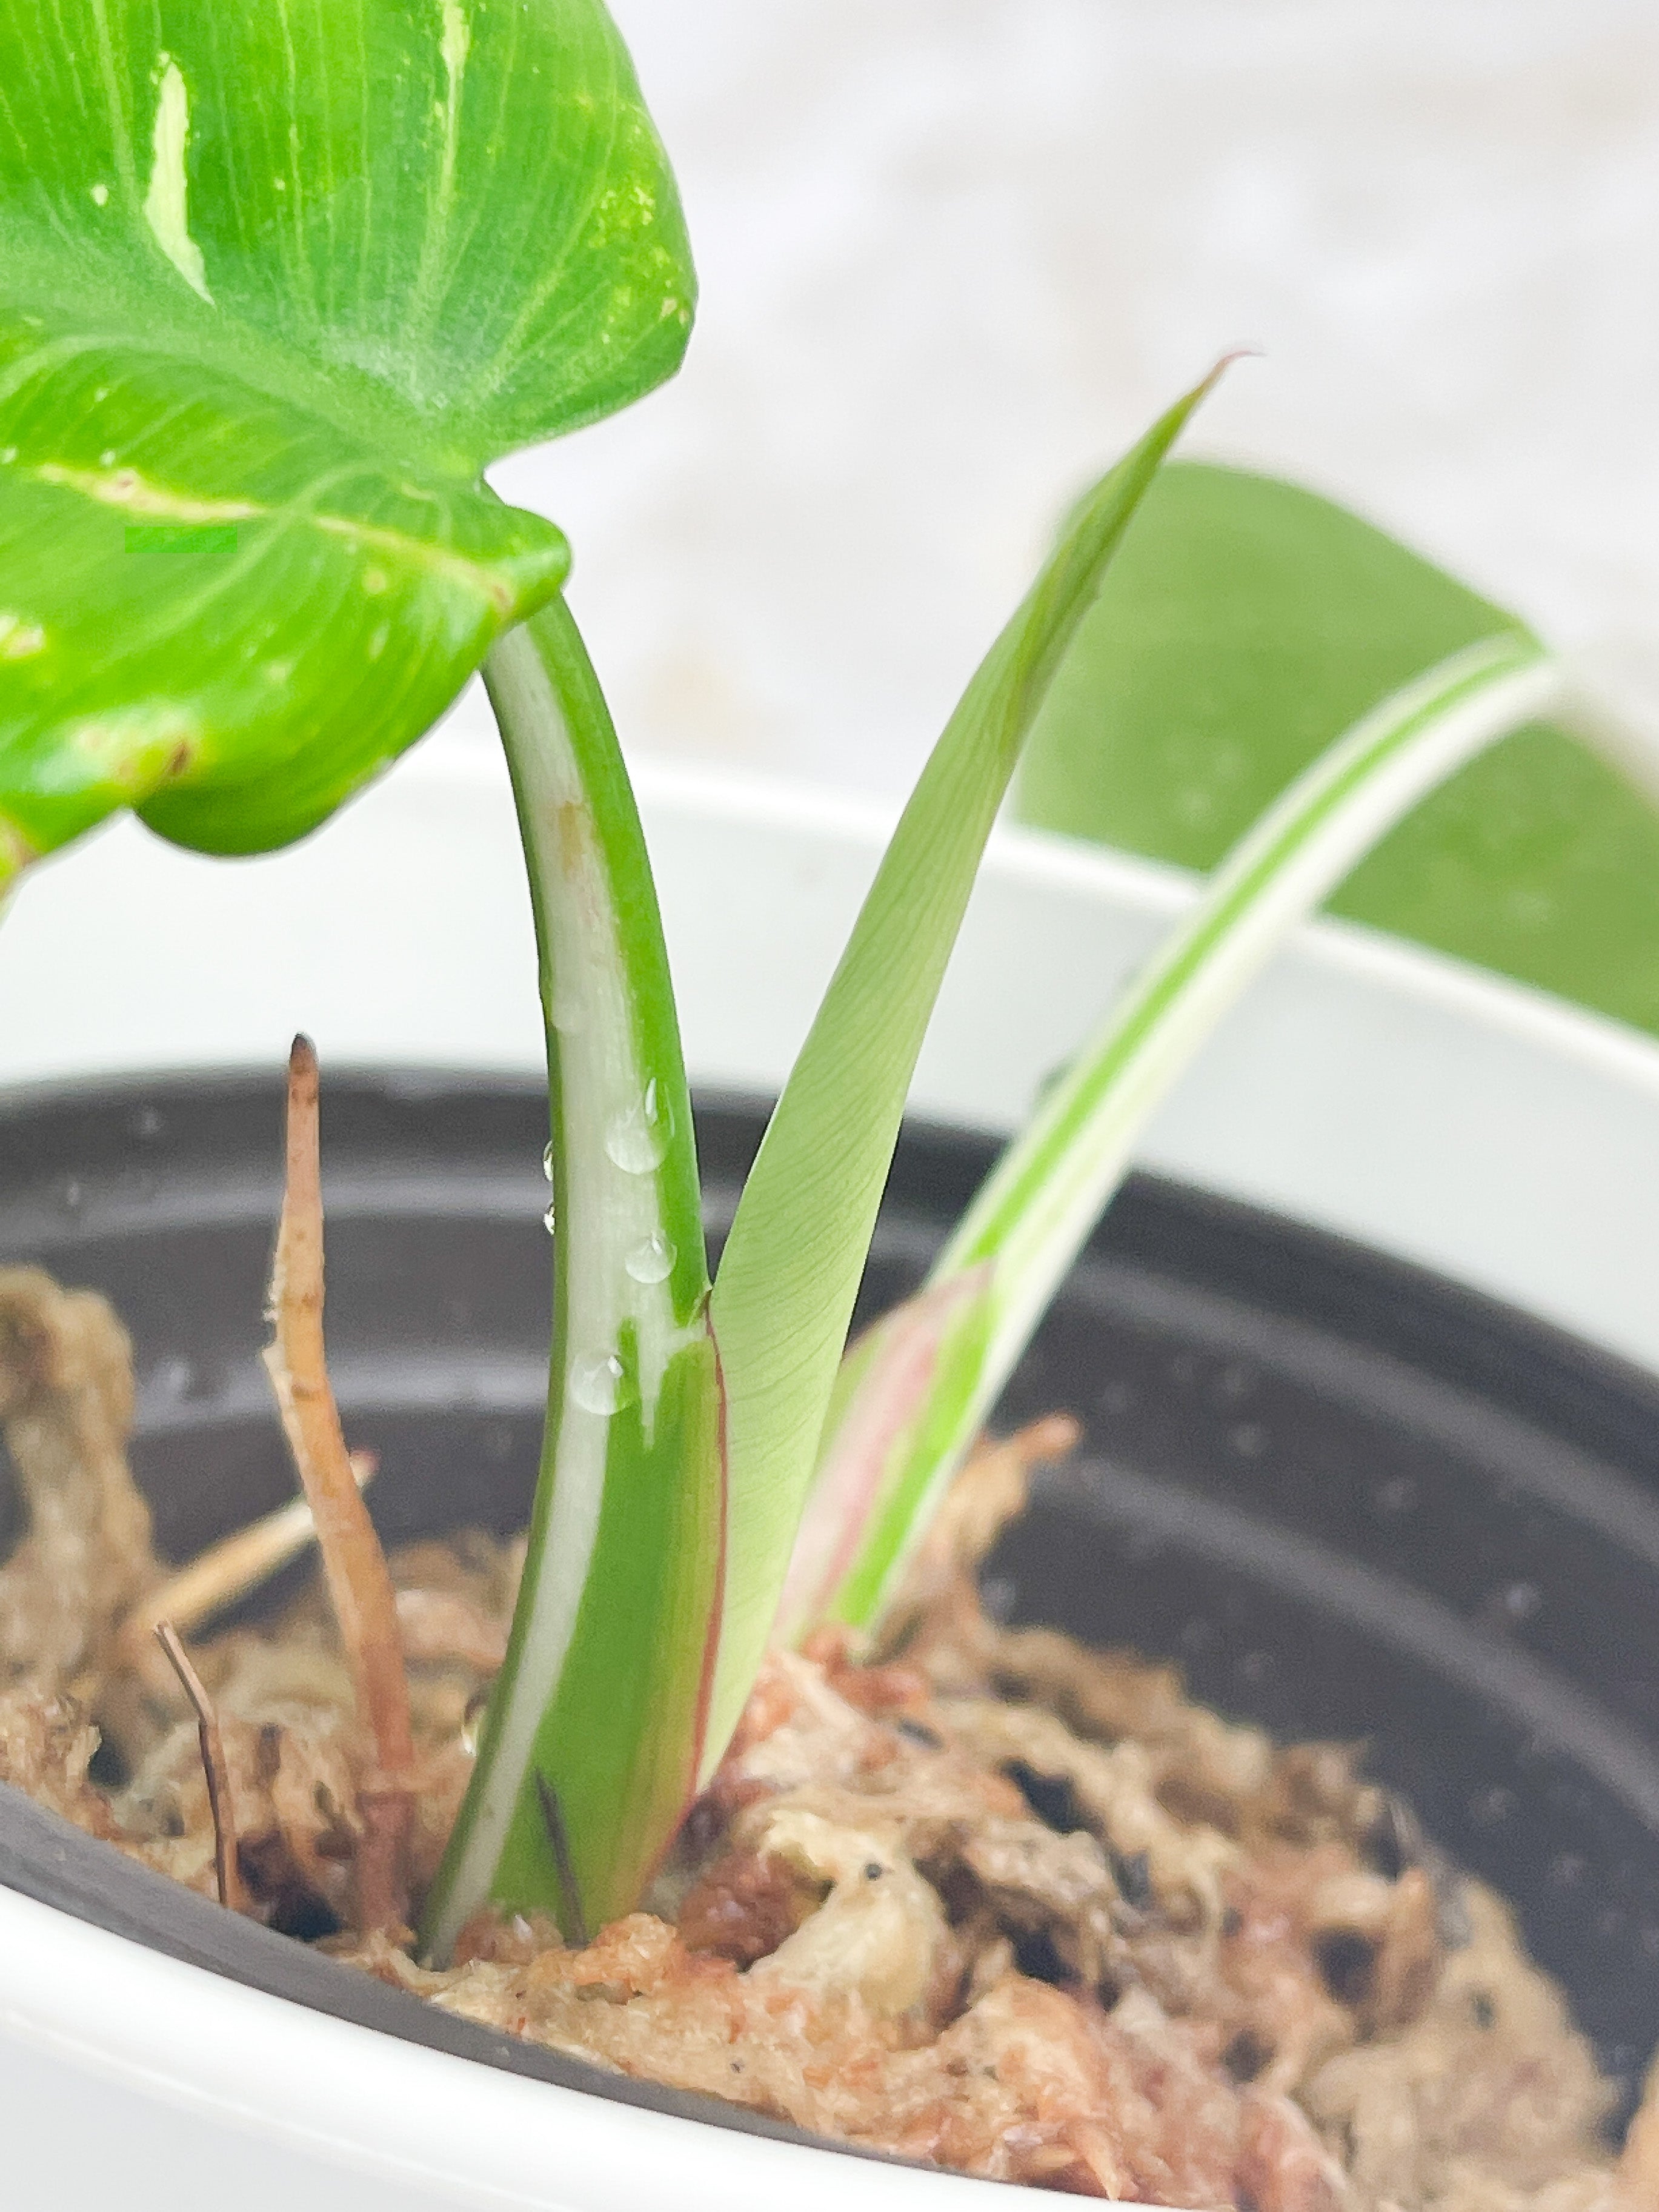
column 359, row 1583
column 227, row 1870
column 229, row 1569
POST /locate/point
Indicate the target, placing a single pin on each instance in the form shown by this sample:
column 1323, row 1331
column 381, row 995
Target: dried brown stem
column 228, row 1872
column 359, row 1583
column 228, row 1571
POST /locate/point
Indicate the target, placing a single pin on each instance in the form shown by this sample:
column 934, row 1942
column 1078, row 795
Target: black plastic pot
column 1350, row 1500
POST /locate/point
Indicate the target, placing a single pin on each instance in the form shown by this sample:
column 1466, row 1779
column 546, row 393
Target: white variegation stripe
column 166, row 204
column 1042, row 1200
column 606, row 1212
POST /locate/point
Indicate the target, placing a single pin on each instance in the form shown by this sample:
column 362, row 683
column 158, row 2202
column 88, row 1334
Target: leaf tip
column 1207, row 383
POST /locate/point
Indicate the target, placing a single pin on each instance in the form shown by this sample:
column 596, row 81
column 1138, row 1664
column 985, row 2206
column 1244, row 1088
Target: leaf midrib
column 145, row 320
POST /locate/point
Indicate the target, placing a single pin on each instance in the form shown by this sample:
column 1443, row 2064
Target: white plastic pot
column 1429, row 1111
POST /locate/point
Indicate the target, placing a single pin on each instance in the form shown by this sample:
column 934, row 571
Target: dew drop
column 637, row 1139
column 601, row 1385
column 8, row 455
column 550, row 1220
column 652, row 1261
column 100, row 195
column 106, row 458
column 547, row 1162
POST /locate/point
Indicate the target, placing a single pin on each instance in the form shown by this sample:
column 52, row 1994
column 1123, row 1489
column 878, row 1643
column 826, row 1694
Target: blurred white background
column 954, row 252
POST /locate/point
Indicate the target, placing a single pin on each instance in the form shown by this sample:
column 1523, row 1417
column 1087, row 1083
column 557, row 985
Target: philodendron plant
column 278, row 284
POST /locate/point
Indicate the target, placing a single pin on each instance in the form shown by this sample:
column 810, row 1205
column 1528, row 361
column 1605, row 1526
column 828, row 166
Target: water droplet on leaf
column 550, row 1220
column 601, row 1385
column 637, row 1139
column 547, row 1162
column 652, row 1261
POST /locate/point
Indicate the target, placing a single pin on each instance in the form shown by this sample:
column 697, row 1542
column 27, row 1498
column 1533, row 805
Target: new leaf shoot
column 903, row 1425
column 784, row 1293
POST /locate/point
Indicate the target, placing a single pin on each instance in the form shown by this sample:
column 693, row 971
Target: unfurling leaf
column 784, row 1293
column 899, row 1436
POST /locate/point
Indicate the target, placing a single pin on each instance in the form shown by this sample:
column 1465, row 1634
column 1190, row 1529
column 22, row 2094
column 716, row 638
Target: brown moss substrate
column 999, row 1902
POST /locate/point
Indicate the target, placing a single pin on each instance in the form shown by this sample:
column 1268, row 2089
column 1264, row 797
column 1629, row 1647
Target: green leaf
column 894, row 1448
column 1248, row 623
column 605, row 1695
column 784, row 1291
column 275, row 284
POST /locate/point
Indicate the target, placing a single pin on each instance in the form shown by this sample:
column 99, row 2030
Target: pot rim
column 1444, row 1115
column 373, row 2104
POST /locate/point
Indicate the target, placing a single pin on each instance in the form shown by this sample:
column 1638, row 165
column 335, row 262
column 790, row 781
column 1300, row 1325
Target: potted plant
column 307, row 569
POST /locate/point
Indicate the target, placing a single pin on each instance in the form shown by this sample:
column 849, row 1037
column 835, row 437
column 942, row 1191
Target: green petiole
column 603, row 1697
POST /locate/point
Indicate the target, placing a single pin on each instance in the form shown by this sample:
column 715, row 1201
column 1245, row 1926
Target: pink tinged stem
column 893, row 1391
